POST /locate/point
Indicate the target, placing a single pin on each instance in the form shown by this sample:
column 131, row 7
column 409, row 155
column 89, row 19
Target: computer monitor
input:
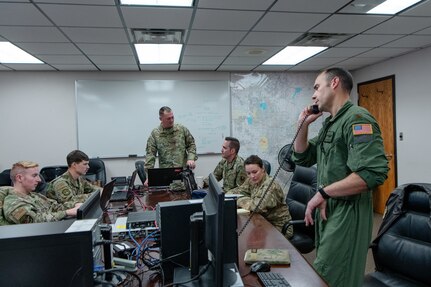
column 221, row 239
column 219, row 223
column 163, row 177
column 43, row 254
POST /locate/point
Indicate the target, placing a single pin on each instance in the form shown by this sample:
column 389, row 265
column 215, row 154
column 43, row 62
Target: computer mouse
column 260, row 266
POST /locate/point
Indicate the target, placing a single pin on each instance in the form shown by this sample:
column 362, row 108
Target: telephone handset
column 315, row 109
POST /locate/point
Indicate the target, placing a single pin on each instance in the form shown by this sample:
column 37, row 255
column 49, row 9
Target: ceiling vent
column 157, row 36
column 320, row 39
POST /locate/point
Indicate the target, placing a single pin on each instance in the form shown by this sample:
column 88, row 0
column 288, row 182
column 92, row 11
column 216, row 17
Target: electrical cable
column 272, row 180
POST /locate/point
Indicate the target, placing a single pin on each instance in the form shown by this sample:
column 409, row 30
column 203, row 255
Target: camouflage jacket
column 273, row 207
column 233, row 173
column 66, row 190
column 175, row 146
column 31, row 208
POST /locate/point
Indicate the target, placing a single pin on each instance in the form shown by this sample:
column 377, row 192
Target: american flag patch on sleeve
column 362, row 129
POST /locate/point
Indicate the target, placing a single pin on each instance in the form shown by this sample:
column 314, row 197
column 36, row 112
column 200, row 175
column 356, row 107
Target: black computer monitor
column 90, row 209
column 221, row 239
column 43, row 254
column 219, row 223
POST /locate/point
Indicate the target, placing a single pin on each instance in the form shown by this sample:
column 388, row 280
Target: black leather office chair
column 266, row 166
column 51, row 172
column 402, row 248
column 96, row 171
column 5, row 178
column 140, row 168
column 302, row 188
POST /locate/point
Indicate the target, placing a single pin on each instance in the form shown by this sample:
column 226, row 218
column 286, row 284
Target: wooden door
column 378, row 98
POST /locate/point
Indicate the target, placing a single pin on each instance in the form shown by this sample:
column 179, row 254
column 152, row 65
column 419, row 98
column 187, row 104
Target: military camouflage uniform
column 233, row 173
column 175, row 146
column 4, row 191
column 273, row 206
column 66, row 190
column 31, row 208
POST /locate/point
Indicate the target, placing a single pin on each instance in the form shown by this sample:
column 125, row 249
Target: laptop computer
column 123, row 193
column 161, row 178
column 105, row 196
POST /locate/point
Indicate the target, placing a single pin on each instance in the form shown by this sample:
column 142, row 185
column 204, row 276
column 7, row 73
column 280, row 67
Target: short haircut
column 254, row 159
column 76, row 156
column 164, row 109
column 20, row 167
column 345, row 77
column 233, row 143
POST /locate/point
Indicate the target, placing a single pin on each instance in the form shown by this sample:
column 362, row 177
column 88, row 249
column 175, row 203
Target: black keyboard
column 272, row 279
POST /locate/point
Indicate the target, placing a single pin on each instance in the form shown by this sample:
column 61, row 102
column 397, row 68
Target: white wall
column 413, row 115
column 38, row 115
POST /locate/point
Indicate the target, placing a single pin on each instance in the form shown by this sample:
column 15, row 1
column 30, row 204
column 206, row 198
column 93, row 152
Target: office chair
column 5, row 178
column 266, row 166
column 302, row 188
column 402, row 248
column 51, row 172
column 140, row 168
column 96, row 171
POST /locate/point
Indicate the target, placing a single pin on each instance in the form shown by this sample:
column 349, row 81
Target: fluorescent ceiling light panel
column 392, row 6
column 158, row 53
column 11, row 54
column 181, row 3
column 292, row 55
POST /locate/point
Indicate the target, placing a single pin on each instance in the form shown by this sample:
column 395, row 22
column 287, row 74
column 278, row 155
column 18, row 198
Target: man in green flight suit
column 72, row 186
column 231, row 167
column 173, row 143
column 23, row 205
column 351, row 162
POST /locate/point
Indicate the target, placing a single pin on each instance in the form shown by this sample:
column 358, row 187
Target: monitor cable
column 287, row 158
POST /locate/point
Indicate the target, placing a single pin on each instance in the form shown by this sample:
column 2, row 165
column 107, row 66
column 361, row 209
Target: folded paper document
column 273, row 256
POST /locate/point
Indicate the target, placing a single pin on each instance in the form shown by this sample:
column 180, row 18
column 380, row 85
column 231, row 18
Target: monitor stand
column 231, row 277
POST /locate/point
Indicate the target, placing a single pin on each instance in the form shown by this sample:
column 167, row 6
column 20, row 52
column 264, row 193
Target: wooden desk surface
column 259, row 233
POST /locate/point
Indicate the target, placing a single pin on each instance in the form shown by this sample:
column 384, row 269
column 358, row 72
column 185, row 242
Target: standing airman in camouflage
column 272, row 207
column 173, row 143
column 72, row 185
column 231, row 167
column 22, row 205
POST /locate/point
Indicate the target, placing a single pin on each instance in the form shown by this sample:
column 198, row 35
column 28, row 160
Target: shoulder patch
column 18, row 213
column 362, row 129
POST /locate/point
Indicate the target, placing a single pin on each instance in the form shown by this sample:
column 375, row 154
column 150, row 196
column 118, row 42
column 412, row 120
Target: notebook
column 272, row 256
column 105, row 196
column 122, row 193
column 159, row 178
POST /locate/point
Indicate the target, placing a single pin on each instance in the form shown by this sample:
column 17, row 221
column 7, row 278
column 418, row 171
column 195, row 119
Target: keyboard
column 119, row 196
column 272, row 279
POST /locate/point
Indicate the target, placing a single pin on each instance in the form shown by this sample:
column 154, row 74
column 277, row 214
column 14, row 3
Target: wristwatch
column 323, row 193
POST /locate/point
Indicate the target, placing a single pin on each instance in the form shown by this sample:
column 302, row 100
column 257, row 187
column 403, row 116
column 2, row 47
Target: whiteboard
column 115, row 118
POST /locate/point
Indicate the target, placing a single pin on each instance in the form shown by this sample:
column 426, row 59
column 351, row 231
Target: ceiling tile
column 30, row 67
column 237, row 68
column 237, row 4
column 272, row 68
column 199, row 67
column 411, row 42
column 157, row 18
column 215, row 37
column 289, row 22
column 4, row 68
column 232, row 20
column 96, row 35
column 321, row 61
column 234, row 60
column 82, row 15
column 424, row 32
column 62, row 67
column 342, row 52
column 113, row 60
column 190, row 60
column 21, row 14
column 255, row 51
column 32, row 34
column 159, row 67
column 270, row 38
column 204, row 50
column 118, row 67
column 401, row 25
column 106, row 49
column 369, row 40
column 422, row 9
column 325, row 6
column 49, row 48
column 64, row 59
column 385, row 52
column 88, row 2
column 350, row 23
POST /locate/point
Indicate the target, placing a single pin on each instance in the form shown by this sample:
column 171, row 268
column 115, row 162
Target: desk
column 259, row 233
